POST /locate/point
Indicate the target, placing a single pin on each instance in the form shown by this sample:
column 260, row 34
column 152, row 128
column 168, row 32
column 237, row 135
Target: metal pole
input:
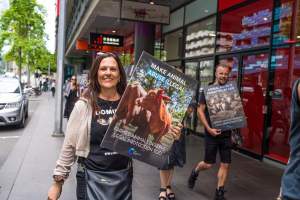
column 58, row 132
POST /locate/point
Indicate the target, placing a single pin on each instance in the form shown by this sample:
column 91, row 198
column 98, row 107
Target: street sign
column 97, row 40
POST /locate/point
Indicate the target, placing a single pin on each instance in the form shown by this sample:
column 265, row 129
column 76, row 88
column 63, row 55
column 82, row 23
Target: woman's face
column 73, row 79
column 108, row 73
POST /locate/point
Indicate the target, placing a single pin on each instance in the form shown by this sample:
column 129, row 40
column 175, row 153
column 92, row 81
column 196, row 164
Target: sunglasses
column 104, row 53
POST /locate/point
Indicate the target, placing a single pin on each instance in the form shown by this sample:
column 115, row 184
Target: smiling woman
column 107, row 82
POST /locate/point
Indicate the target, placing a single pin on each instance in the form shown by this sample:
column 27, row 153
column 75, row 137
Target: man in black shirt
column 215, row 140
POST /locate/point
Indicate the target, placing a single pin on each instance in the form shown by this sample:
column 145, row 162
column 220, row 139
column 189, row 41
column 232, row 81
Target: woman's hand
column 55, row 191
column 175, row 130
column 214, row 132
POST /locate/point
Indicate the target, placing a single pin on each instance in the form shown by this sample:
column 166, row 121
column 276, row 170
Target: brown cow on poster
column 129, row 111
column 160, row 118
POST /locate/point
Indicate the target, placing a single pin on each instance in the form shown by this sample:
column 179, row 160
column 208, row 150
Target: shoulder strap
column 296, row 88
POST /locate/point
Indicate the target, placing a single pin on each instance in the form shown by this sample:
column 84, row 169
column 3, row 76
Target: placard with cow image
column 156, row 98
column 224, row 106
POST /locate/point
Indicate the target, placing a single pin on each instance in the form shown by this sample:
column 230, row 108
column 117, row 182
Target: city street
column 9, row 135
column 227, row 69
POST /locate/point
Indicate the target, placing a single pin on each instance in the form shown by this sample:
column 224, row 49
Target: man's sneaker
column 192, row 179
column 220, row 194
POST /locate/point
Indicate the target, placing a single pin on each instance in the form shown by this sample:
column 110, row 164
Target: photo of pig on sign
column 156, row 97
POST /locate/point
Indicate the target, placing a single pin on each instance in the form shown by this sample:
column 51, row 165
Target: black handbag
column 109, row 185
column 177, row 154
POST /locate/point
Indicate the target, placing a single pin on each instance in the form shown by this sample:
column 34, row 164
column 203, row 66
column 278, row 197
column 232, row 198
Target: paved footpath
column 26, row 174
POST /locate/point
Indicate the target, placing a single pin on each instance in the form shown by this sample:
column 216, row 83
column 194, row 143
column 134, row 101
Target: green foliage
column 22, row 28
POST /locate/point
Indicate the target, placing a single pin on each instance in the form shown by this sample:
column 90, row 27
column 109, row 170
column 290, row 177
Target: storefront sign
column 98, row 39
column 145, row 12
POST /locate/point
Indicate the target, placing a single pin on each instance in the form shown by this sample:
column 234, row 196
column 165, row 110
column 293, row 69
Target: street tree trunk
column 28, row 75
column 20, row 63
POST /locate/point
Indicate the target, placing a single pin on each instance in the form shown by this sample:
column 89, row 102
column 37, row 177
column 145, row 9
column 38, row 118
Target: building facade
column 259, row 39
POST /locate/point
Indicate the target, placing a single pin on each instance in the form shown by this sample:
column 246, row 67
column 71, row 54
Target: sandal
column 171, row 195
column 161, row 191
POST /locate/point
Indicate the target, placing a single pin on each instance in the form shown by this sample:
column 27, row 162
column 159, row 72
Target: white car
column 13, row 103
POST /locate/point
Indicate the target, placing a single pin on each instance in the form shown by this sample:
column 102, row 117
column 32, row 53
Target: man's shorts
column 217, row 144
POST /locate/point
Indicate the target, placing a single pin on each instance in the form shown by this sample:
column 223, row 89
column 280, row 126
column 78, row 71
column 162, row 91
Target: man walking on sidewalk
column 215, row 140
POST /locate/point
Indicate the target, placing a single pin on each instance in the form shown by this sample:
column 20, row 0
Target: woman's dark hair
column 94, row 87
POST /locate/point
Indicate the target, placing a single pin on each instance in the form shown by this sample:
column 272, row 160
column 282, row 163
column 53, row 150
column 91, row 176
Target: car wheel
column 22, row 122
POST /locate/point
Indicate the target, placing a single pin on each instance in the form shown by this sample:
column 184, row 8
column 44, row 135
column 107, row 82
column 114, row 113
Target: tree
column 22, row 29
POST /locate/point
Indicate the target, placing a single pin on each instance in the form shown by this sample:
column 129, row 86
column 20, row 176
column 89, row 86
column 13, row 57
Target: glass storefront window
column 224, row 4
column 282, row 24
column 176, row 64
column 191, row 69
column 199, row 9
column 254, row 85
column 206, row 75
column 176, row 20
column 173, row 45
column 200, row 38
column 246, row 27
column 158, row 46
column 285, row 71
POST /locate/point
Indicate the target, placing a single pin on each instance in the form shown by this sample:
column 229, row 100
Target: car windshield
column 9, row 87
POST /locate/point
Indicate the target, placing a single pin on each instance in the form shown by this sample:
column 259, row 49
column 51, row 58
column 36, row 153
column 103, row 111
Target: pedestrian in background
column 53, row 85
column 215, row 141
column 101, row 173
column 290, row 184
column 71, row 94
column 40, row 84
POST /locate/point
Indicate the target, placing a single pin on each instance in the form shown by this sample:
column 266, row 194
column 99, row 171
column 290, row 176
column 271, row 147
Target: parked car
column 13, row 103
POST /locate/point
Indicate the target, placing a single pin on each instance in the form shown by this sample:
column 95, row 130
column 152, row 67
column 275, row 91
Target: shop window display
column 253, row 93
column 191, row 69
column 206, row 76
column 286, row 70
column 246, row 27
column 200, row 39
column 282, row 24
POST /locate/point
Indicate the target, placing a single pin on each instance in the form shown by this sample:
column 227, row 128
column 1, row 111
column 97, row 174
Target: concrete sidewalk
column 27, row 172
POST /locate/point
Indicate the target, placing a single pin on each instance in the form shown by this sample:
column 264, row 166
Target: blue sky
column 50, row 22
column 3, row 5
